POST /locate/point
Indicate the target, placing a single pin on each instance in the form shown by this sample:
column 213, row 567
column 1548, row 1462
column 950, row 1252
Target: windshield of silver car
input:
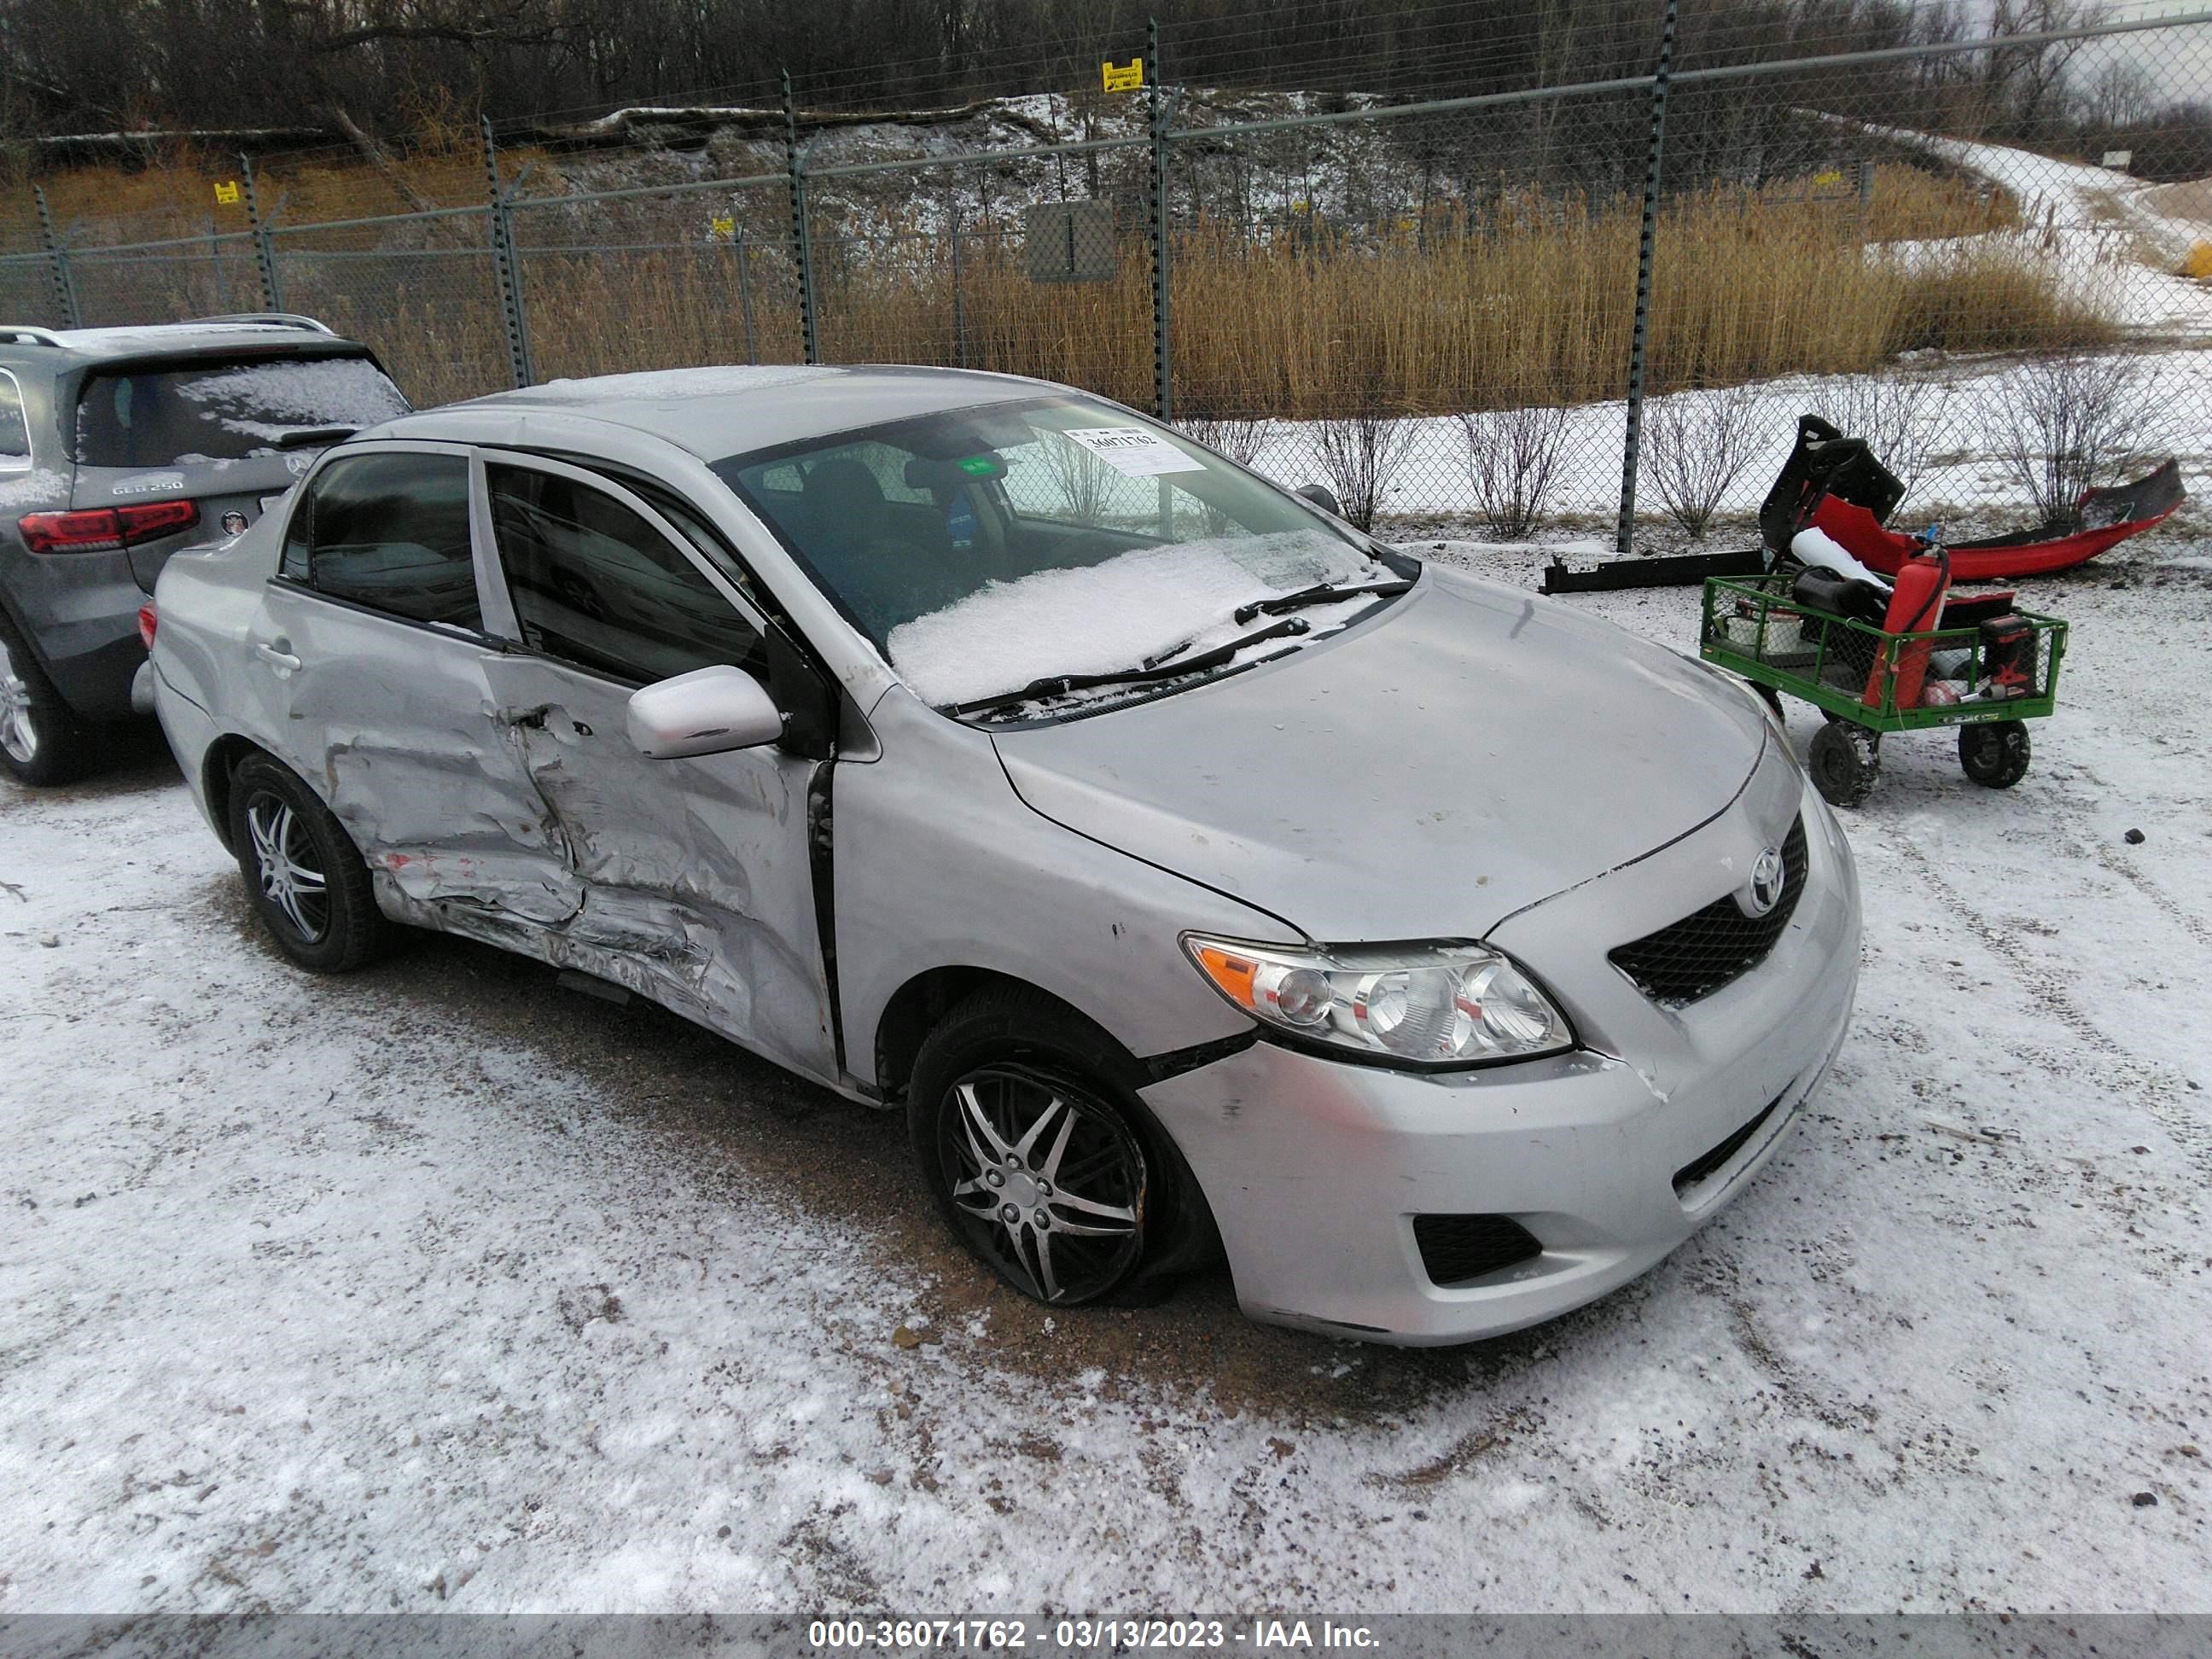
column 1020, row 546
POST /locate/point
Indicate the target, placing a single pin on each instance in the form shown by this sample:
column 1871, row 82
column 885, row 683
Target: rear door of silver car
column 371, row 661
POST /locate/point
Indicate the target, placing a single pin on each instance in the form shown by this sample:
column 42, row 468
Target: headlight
column 1415, row 1004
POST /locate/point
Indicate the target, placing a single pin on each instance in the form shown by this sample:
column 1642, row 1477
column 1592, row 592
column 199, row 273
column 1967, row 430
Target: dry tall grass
column 1532, row 302
column 1535, row 306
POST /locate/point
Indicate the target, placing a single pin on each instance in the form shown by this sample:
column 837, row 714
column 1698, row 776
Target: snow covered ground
column 439, row 1287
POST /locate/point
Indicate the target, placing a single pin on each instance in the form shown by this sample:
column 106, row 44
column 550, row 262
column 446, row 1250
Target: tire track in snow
column 2041, row 986
column 2158, row 1085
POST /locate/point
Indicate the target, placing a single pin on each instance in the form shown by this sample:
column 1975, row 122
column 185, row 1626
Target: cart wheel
column 1995, row 754
column 1844, row 760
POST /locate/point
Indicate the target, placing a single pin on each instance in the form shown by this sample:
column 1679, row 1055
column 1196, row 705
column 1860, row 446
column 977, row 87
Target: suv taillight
column 148, row 622
column 103, row 529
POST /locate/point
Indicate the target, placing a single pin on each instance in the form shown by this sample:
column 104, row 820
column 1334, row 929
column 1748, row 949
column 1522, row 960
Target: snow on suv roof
column 733, row 408
column 213, row 333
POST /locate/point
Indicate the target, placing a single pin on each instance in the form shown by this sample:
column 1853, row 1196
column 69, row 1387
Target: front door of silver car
column 370, row 656
column 697, row 885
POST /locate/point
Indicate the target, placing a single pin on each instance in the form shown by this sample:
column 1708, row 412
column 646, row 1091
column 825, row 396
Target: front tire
column 1037, row 1155
column 1993, row 753
column 1844, row 760
column 41, row 741
column 304, row 877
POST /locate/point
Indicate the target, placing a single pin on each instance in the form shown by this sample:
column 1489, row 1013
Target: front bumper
column 1315, row 1168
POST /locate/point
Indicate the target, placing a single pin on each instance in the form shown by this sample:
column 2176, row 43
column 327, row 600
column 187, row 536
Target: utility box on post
column 1070, row 242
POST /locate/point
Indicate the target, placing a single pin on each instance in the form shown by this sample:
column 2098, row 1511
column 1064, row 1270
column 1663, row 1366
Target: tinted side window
column 595, row 584
column 391, row 533
column 15, row 435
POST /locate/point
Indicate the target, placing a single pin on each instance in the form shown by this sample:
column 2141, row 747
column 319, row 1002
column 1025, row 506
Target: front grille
column 1699, row 1168
column 1457, row 1248
column 1695, row 956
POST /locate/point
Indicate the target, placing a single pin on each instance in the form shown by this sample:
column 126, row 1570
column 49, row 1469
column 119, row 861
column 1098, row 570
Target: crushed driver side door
column 698, row 889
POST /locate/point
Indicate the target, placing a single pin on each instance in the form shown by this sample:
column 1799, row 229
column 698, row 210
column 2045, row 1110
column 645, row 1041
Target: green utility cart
column 1988, row 678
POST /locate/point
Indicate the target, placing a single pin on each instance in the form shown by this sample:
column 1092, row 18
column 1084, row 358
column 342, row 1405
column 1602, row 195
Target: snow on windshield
column 1099, row 618
column 271, row 400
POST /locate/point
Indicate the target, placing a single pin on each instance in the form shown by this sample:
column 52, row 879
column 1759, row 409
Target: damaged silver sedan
column 1199, row 875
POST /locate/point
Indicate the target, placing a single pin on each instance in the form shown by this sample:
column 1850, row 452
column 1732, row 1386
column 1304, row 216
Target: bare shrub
column 1241, row 441
column 1511, row 454
column 1696, row 445
column 1362, row 454
column 2069, row 424
column 1893, row 413
column 1087, row 483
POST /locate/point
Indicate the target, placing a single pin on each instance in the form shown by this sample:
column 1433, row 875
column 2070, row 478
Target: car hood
column 1471, row 750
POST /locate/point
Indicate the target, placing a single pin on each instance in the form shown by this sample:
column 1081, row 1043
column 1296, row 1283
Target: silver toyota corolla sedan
column 1198, row 875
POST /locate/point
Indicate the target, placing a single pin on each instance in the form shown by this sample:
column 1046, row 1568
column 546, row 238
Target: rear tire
column 1993, row 753
column 41, row 741
column 304, row 877
column 1041, row 1160
column 1844, row 760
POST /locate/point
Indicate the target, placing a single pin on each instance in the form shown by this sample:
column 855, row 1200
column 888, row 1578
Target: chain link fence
column 1589, row 310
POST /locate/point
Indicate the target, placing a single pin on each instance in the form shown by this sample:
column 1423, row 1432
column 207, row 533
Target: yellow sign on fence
column 1123, row 77
column 226, row 193
column 722, row 229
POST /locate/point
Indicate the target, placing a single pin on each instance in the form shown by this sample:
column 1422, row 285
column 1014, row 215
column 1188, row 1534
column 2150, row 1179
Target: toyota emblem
column 1764, row 890
column 233, row 523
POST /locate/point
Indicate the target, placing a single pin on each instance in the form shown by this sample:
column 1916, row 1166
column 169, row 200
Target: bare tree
column 1085, row 482
column 1362, row 454
column 1241, row 441
column 1511, row 454
column 1892, row 412
column 2123, row 94
column 1696, row 445
column 2072, row 423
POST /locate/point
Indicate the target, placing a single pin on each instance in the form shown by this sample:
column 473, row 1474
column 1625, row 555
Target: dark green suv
column 118, row 447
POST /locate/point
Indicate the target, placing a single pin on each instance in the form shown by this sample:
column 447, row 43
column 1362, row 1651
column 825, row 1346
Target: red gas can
column 1914, row 608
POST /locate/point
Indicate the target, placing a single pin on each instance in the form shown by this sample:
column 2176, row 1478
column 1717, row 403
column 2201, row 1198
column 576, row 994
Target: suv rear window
column 171, row 414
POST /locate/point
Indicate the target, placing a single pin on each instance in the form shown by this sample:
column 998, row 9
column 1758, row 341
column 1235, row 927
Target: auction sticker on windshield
column 1132, row 451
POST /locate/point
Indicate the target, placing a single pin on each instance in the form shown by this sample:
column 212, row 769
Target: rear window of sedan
column 214, row 410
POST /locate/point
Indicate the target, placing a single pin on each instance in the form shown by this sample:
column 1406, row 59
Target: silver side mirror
column 1323, row 497
column 708, row 711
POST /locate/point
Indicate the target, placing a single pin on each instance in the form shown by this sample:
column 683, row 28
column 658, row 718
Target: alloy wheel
column 19, row 732
column 1050, row 1183
column 291, row 872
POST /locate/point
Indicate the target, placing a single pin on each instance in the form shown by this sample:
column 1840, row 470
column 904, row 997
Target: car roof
column 733, row 408
column 21, row 346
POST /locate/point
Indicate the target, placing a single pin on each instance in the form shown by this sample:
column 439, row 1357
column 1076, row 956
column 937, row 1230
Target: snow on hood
column 1097, row 619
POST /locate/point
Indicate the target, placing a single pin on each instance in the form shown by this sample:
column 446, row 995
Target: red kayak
column 2108, row 516
column 1831, row 483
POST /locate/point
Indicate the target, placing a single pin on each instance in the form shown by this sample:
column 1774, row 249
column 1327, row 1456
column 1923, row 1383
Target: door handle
column 275, row 658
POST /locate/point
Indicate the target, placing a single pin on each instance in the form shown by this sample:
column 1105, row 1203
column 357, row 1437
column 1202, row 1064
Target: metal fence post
column 959, row 307
column 57, row 258
column 801, row 253
column 745, row 295
column 509, row 267
column 1624, row 532
column 1163, row 357
column 214, row 260
column 265, row 245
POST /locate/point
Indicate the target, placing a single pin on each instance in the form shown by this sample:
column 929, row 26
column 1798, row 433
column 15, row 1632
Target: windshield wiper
column 1321, row 594
column 1056, row 685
